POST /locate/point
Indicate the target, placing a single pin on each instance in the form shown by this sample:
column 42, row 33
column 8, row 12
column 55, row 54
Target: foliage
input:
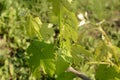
column 69, row 49
column 45, row 37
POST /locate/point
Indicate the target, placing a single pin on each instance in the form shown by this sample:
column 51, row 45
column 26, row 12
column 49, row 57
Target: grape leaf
column 106, row 72
column 56, row 6
column 39, row 50
column 48, row 66
column 65, row 76
column 79, row 53
column 78, row 49
column 61, row 65
column 33, row 26
column 46, row 32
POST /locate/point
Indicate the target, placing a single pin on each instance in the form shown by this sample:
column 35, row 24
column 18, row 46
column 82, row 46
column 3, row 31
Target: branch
column 82, row 76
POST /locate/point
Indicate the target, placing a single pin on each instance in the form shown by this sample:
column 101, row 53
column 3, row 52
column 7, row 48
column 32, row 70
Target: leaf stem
column 82, row 76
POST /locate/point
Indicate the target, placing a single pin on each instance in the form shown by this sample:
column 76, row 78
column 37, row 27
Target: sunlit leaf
column 61, row 65
column 46, row 32
column 33, row 26
column 48, row 66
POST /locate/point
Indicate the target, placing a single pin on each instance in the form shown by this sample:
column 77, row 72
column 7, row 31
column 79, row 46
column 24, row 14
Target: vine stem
column 80, row 75
column 104, row 34
column 107, row 40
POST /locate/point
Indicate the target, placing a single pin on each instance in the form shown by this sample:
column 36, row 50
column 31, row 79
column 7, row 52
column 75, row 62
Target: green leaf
column 101, row 51
column 68, row 17
column 46, row 32
column 79, row 53
column 61, row 65
column 38, row 22
column 37, row 72
column 56, row 6
column 33, row 26
column 29, row 27
column 66, row 76
column 54, row 19
column 106, row 72
column 68, row 28
column 68, row 33
column 67, row 4
column 39, row 51
column 115, row 51
column 78, row 49
column 48, row 66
